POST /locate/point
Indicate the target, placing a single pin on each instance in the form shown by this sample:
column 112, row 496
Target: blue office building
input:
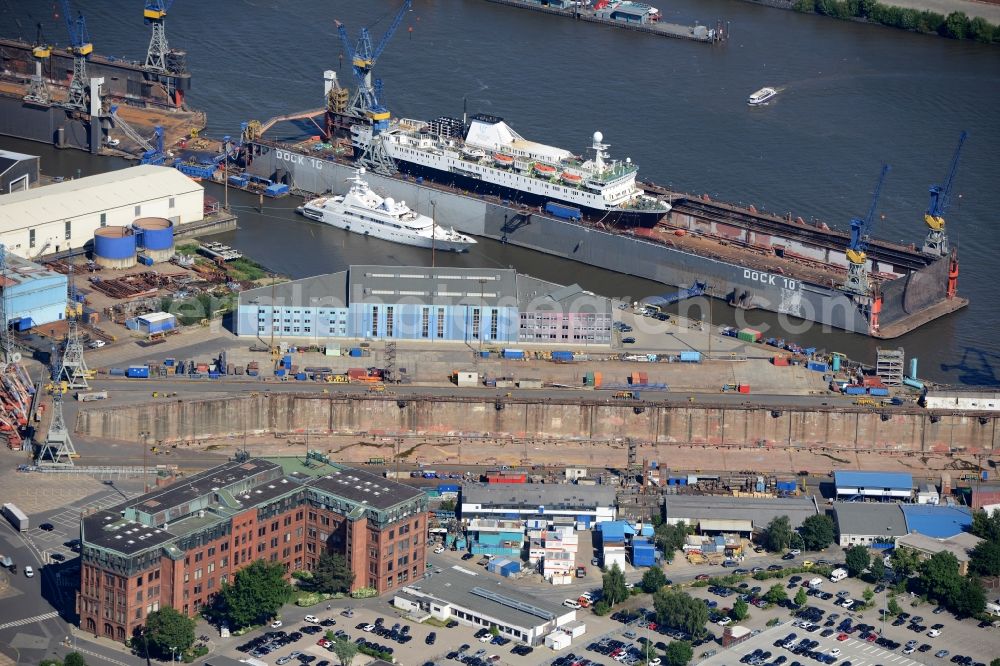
column 433, row 304
column 34, row 294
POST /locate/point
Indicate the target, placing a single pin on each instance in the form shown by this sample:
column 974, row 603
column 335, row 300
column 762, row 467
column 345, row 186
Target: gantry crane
column 81, row 47
column 857, row 256
column 154, row 13
column 38, row 90
column 366, row 104
column 936, row 242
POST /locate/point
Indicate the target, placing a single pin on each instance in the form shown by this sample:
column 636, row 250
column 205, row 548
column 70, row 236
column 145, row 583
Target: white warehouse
column 63, row 216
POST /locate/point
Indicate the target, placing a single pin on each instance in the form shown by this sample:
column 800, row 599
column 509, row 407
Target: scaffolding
column 889, row 366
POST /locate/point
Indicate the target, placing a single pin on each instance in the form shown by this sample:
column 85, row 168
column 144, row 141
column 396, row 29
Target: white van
column 815, row 583
column 838, row 575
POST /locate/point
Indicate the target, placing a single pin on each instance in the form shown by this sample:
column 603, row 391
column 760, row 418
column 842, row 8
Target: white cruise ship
column 488, row 157
column 364, row 212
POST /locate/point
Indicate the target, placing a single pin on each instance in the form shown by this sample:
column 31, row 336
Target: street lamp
column 173, row 655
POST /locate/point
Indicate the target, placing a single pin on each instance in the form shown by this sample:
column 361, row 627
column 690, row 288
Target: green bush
column 602, row 608
column 378, row 654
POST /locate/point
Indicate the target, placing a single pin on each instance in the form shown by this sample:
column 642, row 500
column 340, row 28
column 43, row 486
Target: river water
column 852, row 97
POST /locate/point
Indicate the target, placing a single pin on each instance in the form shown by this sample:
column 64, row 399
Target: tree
column 679, row 653
column 939, row 575
column 602, row 608
column 776, row 594
column 331, row 575
column 956, row 25
column 985, row 558
column 653, row 579
column 893, row 607
column 345, row 651
column 868, row 594
column 981, row 30
column 817, row 532
column 74, row 659
column 168, row 630
column 986, row 525
column 778, row 534
column 858, row 560
column 797, row 541
column 967, row 598
column 615, row 588
column 740, row 610
column 877, row 569
column 671, row 537
column 678, row 610
column 995, row 662
column 255, row 595
column 801, row 597
column 904, row 560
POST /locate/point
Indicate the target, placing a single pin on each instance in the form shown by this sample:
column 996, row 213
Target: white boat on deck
column 761, row 96
column 362, row 211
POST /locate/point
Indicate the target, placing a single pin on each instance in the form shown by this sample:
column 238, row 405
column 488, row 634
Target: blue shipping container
column 301, row 377
column 690, row 357
column 854, row 390
column 562, row 356
column 117, row 372
column 279, row 372
column 355, row 351
column 25, row 324
column 817, row 366
column 276, row 190
column 513, row 353
column 563, row 212
column 448, row 488
column 138, row 372
column 875, row 390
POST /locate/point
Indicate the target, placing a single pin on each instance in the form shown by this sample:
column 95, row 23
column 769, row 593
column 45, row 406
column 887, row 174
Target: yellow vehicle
column 865, row 402
column 377, row 388
column 56, row 387
column 807, row 564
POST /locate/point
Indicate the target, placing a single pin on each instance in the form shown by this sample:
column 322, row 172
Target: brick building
column 175, row 546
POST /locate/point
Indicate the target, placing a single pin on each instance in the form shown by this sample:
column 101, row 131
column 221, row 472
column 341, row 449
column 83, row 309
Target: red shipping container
column 357, row 373
column 643, row 378
column 744, row 388
column 868, row 382
column 780, row 361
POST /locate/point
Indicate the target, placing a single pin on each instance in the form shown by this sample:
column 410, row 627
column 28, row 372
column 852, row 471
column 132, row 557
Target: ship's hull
column 474, row 214
column 381, row 231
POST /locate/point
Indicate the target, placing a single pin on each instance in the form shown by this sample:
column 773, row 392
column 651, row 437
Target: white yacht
column 364, row 212
column 761, row 96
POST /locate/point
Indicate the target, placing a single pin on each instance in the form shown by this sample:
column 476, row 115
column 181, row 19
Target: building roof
column 91, row 195
column 9, row 158
column 985, row 497
column 958, row 545
column 198, row 501
column 939, row 522
column 759, row 510
column 489, row 287
column 363, row 487
column 869, row 519
column 534, row 294
column 500, row 602
column 889, row 480
column 532, row 495
column 20, row 271
column 154, row 317
column 328, row 290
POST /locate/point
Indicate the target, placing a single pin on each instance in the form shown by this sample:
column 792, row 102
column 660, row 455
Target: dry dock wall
column 555, row 421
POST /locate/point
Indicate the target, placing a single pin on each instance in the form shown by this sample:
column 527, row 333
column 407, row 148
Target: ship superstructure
column 494, row 159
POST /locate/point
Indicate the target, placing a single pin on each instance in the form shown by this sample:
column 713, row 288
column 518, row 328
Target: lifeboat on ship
column 501, row 160
column 545, row 170
column 571, row 178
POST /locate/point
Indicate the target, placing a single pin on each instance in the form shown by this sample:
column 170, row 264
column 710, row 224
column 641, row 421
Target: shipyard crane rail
column 937, row 240
column 81, row 47
column 857, row 272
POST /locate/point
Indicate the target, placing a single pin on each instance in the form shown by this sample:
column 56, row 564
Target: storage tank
column 156, row 236
column 114, row 247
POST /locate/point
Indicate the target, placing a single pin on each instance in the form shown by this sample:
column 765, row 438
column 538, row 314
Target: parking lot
column 902, row 641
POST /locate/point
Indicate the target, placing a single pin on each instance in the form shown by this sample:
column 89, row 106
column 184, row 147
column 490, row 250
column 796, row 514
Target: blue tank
column 154, row 233
column 114, row 247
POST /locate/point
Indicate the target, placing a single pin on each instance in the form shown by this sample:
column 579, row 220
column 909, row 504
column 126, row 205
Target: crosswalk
column 29, row 620
column 102, row 657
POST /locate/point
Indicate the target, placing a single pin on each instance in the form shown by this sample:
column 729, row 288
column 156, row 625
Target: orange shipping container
column 635, row 378
column 780, row 361
column 744, row 388
column 598, row 378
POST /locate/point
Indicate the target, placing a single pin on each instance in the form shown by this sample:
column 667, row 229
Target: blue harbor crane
column 366, row 103
column 936, row 242
column 154, row 13
column 81, row 48
column 857, row 251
